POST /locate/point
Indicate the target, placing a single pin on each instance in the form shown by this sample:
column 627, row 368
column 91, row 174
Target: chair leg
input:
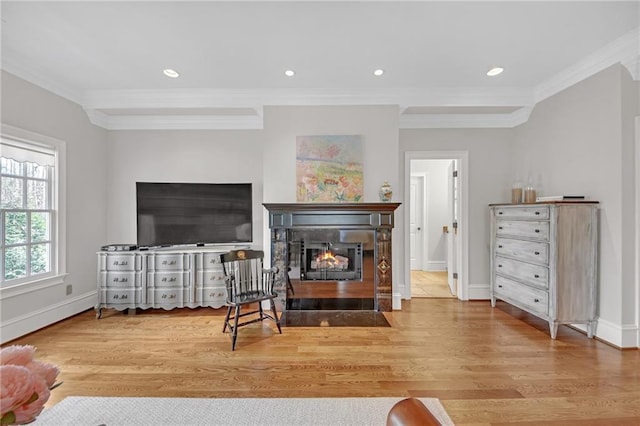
column 275, row 314
column 226, row 319
column 234, row 331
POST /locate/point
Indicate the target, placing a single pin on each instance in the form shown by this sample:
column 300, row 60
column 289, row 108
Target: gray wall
column 201, row 156
column 580, row 141
column 489, row 174
column 31, row 108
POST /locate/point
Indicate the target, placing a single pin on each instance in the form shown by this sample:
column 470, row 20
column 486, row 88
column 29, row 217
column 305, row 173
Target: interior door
column 452, row 235
column 416, row 220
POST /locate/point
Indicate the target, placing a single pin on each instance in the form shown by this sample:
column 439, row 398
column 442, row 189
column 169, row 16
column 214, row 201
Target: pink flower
column 25, row 413
column 47, row 371
column 18, row 386
column 17, row 355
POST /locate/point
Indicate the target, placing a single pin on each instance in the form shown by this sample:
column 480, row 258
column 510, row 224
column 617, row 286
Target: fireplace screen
column 331, row 261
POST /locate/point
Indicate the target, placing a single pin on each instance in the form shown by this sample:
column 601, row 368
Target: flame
column 327, row 257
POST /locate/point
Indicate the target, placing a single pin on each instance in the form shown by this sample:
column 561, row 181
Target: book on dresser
column 544, row 260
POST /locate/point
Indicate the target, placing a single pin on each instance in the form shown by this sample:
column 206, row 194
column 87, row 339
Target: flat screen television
column 193, row 213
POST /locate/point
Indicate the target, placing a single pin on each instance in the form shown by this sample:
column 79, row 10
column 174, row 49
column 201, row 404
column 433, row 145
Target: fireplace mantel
column 379, row 217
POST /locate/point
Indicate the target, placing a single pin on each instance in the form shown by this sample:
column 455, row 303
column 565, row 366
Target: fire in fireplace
column 331, row 261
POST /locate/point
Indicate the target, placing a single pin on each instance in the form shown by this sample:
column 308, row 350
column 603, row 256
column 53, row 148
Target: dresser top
column 542, row 203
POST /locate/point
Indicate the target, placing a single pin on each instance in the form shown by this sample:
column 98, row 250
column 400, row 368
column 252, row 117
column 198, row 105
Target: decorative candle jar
column 516, row 193
column 386, row 192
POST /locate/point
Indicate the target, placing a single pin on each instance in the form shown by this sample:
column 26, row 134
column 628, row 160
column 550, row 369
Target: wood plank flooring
column 487, row 365
column 429, row 284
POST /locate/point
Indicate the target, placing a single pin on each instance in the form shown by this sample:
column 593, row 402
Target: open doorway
column 436, row 240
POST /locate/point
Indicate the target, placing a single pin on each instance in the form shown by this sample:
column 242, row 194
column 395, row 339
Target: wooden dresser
column 544, row 260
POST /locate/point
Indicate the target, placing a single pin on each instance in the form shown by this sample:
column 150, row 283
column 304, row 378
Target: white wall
column 201, row 156
column 379, row 127
column 436, row 212
column 31, row 108
column 580, row 141
column 489, row 173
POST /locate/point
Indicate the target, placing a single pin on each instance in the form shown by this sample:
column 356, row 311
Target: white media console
column 164, row 278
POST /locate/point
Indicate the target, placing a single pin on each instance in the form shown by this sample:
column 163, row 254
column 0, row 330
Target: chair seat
column 251, row 296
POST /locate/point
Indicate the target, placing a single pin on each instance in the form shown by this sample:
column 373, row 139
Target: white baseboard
column 32, row 321
column 624, row 336
column 433, row 265
column 396, row 301
column 479, row 292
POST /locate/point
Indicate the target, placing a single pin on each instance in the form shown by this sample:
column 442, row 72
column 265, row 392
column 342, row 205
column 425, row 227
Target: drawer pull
column 537, row 253
column 537, row 276
column 537, row 231
column 499, row 227
column 536, row 300
column 537, row 213
column 499, row 266
column 500, row 212
column 500, row 246
column 499, row 285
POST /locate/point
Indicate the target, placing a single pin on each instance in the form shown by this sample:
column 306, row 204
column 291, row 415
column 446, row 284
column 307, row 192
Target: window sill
column 31, row 286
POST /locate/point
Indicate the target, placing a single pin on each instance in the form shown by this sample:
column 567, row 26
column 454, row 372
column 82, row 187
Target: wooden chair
column 248, row 283
column 411, row 412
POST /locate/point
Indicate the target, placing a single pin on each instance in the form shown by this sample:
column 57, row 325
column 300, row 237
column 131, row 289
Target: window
column 30, row 219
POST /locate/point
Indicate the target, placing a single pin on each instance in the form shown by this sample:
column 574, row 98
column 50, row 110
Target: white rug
column 116, row 411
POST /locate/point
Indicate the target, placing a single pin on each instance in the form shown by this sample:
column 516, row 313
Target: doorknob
column 445, row 229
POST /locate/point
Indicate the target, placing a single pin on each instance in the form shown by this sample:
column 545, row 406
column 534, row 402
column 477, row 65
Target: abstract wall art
column 329, row 168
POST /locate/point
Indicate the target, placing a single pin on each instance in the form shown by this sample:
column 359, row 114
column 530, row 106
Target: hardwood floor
column 429, row 284
column 487, row 365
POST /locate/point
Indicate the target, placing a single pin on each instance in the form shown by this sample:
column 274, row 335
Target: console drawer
column 168, row 262
column 535, row 275
column 120, row 262
column 121, row 296
column 166, row 296
column 529, row 229
column 212, row 295
column 537, row 301
column 127, row 279
column 168, row 279
column 209, row 261
column 210, row 278
column 526, row 250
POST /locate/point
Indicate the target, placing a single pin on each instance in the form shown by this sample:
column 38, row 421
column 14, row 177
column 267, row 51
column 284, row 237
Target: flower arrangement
column 26, row 384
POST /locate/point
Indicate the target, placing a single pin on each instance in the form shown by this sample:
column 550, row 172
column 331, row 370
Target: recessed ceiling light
column 289, row 73
column 378, row 72
column 171, row 73
column 495, row 71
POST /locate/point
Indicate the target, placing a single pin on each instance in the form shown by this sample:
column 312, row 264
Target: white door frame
column 421, row 236
column 463, row 224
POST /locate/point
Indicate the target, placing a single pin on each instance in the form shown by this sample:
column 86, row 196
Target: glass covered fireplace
column 330, row 261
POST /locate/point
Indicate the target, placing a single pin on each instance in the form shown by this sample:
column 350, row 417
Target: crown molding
column 623, row 50
column 457, row 121
column 176, row 122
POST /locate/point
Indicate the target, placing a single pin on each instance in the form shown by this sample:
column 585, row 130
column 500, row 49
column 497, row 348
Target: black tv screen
column 193, row 213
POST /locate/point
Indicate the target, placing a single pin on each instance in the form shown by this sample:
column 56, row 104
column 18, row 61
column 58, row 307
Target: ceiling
column 231, row 56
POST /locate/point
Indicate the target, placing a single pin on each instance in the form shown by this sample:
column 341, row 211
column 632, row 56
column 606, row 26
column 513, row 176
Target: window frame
column 57, row 207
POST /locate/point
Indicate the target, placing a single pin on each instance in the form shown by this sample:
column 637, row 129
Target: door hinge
column 455, row 227
column 455, row 173
column 455, row 275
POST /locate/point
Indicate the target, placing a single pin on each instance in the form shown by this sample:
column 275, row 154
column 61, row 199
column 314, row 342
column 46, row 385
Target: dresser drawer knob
column 500, row 246
column 537, row 253
column 536, row 300
column 537, row 276
column 537, row 213
column 500, row 212
column 499, row 266
column 499, row 227
column 537, row 231
column 499, row 285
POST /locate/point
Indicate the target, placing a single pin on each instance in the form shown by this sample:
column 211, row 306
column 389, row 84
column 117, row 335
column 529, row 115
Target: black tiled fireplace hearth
column 346, row 246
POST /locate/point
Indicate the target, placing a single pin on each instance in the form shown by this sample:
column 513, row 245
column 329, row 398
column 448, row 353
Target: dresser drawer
column 212, row 295
column 209, row 261
column 533, row 212
column 527, row 229
column 537, row 301
column 120, row 262
column 525, row 250
column 121, row 279
column 209, row 278
column 168, row 262
column 168, row 279
column 121, row 296
column 166, row 296
column 535, row 275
